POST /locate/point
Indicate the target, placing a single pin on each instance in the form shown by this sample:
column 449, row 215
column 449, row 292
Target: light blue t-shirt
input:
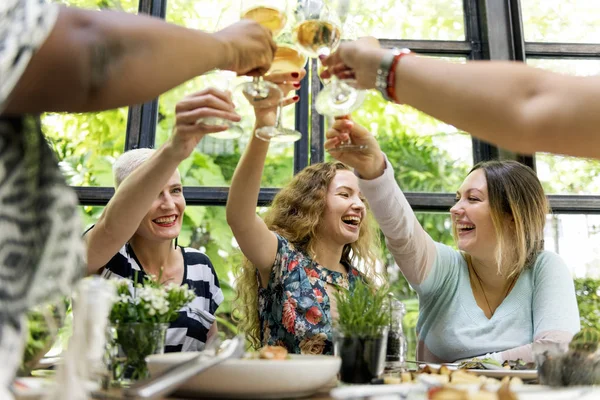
column 453, row 327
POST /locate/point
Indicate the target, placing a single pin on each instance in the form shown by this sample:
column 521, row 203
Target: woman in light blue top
column 500, row 292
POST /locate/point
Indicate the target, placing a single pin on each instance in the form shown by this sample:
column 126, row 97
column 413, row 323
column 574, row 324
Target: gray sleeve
column 24, row 26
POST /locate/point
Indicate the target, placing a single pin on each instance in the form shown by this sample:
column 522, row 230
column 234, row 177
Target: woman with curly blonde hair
column 319, row 230
column 313, row 237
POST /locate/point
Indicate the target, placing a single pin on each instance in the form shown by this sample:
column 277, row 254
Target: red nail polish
column 295, row 74
column 296, row 98
column 297, row 84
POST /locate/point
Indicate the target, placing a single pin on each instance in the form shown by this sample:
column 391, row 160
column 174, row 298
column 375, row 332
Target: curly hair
column 295, row 214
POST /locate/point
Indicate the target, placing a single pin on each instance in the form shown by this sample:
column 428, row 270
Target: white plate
column 525, row 374
column 301, row 375
column 31, row 388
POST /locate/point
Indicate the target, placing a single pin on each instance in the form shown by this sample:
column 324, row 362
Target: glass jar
column 395, row 359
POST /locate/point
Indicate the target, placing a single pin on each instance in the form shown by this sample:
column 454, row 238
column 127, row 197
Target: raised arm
column 256, row 241
column 95, row 60
column 412, row 248
column 516, row 107
column 134, row 197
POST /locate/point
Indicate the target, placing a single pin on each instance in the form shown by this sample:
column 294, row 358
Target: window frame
column 497, row 38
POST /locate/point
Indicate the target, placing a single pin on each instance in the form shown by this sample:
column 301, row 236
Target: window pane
column 410, row 19
column 562, row 174
column 561, row 21
column 87, row 144
column 214, row 162
column 394, row 19
column 577, row 239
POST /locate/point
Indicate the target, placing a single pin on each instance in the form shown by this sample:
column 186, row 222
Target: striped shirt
column 189, row 331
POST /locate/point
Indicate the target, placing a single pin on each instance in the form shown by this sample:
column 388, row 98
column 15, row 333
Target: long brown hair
column 295, row 214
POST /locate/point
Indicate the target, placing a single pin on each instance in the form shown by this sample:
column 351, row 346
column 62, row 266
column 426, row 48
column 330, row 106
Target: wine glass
column 271, row 15
column 340, row 97
column 287, row 59
column 221, row 79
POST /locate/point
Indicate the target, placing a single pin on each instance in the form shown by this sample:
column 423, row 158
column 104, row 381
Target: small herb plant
column 362, row 311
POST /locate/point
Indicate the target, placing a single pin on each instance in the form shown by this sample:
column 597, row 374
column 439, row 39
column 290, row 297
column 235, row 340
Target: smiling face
column 344, row 210
column 164, row 219
column 472, row 219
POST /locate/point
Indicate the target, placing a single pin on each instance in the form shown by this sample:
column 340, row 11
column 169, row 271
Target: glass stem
column 279, row 116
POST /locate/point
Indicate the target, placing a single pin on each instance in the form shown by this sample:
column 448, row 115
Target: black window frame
column 493, row 31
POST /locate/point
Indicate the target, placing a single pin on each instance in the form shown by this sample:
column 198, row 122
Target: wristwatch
column 383, row 72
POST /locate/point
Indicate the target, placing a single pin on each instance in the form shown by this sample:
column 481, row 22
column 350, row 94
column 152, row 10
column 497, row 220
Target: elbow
column 96, row 55
column 540, row 118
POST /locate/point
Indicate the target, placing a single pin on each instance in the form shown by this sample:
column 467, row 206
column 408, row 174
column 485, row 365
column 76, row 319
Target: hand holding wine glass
column 249, row 48
column 359, row 59
column 209, row 102
column 272, row 16
column 269, row 125
column 369, row 163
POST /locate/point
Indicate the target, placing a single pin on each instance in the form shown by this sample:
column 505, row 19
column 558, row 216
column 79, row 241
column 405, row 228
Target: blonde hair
column 127, row 162
column 514, row 190
column 295, row 214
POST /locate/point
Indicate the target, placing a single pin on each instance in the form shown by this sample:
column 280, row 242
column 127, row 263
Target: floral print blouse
column 294, row 308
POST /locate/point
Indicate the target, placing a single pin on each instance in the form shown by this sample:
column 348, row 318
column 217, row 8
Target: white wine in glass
column 287, row 59
column 317, row 37
column 272, row 15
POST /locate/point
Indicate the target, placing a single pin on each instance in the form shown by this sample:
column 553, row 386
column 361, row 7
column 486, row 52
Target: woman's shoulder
column 195, row 256
column 550, row 263
column 545, row 257
column 448, row 255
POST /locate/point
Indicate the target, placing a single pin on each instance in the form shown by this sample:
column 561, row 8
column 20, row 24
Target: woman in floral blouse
column 308, row 245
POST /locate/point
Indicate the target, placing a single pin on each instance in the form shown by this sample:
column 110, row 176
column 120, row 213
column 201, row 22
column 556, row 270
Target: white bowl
column 301, row 375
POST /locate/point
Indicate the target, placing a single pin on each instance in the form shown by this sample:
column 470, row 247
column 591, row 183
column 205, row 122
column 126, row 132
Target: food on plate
column 518, row 365
column 269, row 353
column 480, row 363
column 450, row 393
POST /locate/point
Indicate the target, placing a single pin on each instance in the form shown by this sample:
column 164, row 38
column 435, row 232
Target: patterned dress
column 41, row 252
column 294, row 309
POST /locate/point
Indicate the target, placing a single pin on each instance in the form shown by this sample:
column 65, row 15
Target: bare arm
column 95, row 60
column 255, row 239
column 134, row 197
column 517, row 107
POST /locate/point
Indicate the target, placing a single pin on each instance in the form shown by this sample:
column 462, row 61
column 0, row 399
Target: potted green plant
column 360, row 331
column 139, row 320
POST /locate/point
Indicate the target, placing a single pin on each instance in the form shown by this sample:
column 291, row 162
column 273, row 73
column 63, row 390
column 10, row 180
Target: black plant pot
column 363, row 358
